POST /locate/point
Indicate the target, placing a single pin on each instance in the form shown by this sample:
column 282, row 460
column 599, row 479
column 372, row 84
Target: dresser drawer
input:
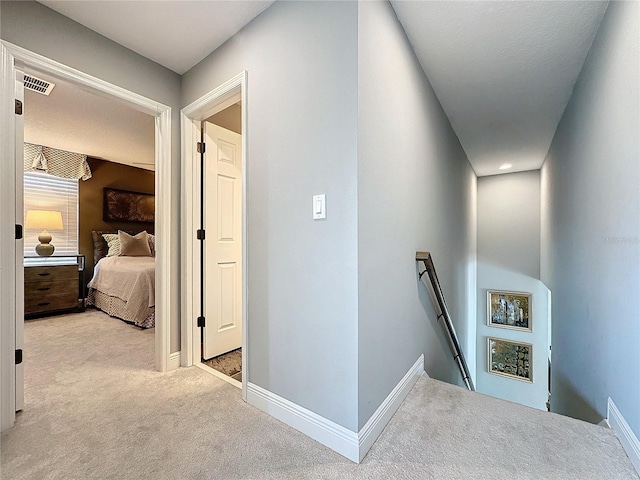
column 41, row 288
column 50, row 273
column 50, row 303
column 50, row 288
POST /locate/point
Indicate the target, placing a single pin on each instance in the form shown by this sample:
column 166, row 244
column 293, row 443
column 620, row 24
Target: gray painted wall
column 509, row 221
column 415, row 192
column 301, row 59
column 591, row 230
column 509, row 259
column 41, row 30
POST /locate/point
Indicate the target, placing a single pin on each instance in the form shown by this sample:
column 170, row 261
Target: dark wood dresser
column 53, row 288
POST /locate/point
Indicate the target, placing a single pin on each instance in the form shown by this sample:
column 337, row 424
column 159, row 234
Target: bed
column 123, row 284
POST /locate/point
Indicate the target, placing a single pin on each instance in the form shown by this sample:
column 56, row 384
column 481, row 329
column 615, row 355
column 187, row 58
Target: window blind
column 48, row 192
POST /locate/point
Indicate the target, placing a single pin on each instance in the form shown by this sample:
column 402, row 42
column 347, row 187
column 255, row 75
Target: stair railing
column 452, row 337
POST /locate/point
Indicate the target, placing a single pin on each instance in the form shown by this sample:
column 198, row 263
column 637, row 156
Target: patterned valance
column 55, row 162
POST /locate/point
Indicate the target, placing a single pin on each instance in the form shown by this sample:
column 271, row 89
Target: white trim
column 32, row 59
column 174, row 361
column 626, row 436
column 219, row 98
column 327, row 432
column 216, row 100
column 7, row 242
column 220, row 375
column 375, row 425
column 163, row 225
column 188, row 198
column 352, row 445
column 19, row 244
column 11, row 56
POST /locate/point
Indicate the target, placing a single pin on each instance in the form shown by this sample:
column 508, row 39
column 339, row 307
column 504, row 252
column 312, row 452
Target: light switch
column 319, row 206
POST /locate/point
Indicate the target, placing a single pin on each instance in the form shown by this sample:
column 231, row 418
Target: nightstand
column 53, row 284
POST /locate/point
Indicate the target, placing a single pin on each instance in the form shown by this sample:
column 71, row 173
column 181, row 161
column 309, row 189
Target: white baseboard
column 174, row 361
column 328, row 433
column 374, row 426
column 626, row 436
column 350, row 444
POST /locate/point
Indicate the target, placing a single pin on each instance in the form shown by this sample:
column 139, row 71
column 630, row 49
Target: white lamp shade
column 43, row 219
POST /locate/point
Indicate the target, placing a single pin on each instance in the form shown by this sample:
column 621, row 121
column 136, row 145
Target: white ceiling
column 175, row 34
column 79, row 120
column 503, row 71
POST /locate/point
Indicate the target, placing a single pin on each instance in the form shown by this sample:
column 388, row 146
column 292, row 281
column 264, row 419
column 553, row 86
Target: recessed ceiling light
column 505, row 166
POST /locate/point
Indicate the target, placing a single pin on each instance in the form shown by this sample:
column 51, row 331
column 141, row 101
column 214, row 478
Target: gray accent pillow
column 134, row 246
column 152, row 243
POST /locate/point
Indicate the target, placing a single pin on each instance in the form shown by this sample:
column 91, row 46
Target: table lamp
column 45, row 220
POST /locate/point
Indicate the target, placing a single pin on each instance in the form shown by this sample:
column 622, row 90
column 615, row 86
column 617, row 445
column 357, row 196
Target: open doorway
column 11, row 258
column 89, row 162
column 214, row 139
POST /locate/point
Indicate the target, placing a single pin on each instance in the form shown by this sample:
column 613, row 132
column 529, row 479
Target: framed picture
column 125, row 206
column 509, row 310
column 510, row 359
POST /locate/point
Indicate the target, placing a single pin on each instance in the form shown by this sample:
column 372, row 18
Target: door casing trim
column 221, row 97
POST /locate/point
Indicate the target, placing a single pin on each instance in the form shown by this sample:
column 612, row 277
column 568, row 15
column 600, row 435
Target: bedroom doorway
column 12, row 302
column 214, row 183
column 106, row 188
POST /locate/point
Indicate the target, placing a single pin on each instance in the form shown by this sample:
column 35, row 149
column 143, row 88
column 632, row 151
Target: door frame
column 12, row 57
column 216, row 100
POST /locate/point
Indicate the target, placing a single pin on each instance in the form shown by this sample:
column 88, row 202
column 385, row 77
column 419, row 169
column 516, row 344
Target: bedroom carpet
column 95, row 409
column 230, row 363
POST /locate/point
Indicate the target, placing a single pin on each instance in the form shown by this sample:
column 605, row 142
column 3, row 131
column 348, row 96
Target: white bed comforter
column 131, row 279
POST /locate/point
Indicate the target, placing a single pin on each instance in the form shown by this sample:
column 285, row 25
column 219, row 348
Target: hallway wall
column 509, row 259
column 509, row 221
column 301, row 59
column 416, row 191
column 591, row 229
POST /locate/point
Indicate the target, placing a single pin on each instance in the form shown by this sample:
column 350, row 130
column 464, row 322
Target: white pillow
column 134, row 245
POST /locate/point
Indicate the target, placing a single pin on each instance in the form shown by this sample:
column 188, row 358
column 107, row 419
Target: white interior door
column 223, row 242
column 20, row 242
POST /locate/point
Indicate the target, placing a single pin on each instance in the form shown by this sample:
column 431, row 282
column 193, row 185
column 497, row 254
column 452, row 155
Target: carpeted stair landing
column 95, row 409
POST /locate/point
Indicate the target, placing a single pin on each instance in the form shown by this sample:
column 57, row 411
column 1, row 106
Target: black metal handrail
column 425, row 258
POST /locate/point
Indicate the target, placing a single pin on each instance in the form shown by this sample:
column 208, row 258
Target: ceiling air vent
column 38, row 85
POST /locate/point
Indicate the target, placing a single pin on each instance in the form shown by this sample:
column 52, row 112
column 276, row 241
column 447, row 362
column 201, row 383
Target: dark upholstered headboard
column 100, row 247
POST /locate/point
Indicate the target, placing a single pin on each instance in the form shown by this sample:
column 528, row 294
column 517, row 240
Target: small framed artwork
column 509, row 310
column 510, row 359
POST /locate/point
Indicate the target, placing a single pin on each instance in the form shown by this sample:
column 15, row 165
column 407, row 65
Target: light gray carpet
column 96, row 410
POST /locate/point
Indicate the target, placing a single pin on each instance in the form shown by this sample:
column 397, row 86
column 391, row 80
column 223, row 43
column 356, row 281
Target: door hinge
column 200, row 234
column 202, row 147
column 18, row 107
column 19, row 231
column 18, row 357
column 201, row 322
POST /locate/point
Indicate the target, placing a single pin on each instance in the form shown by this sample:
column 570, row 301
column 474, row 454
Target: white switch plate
column 319, row 206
